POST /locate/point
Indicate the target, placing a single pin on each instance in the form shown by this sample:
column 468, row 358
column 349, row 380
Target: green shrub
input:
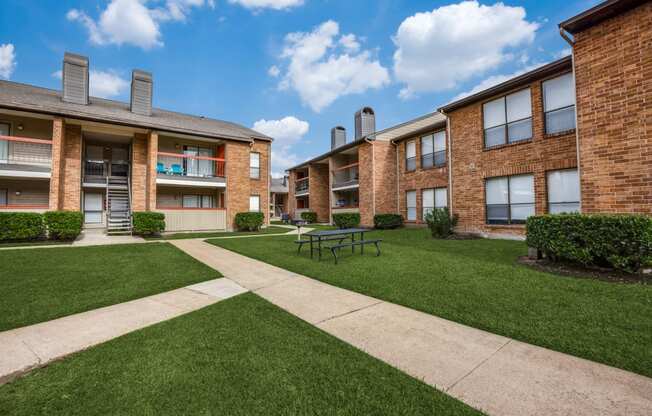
column 249, row 221
column 440, row 222
column 621, row 241
column 310, row 217
column 388, row 221
column 347, row 220
column 63, row 225
column 21, row 226
column 148, row 222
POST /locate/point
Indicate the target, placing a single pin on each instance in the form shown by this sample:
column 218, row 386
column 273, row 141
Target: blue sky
column 291, row 68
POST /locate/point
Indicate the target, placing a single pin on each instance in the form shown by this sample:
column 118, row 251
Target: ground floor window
column 563, row 191
column 411, row 204
column 93, row 208
column 4, row 197
column 509, row 199
column 198, row 201
column 254, row 203
column 433, row 198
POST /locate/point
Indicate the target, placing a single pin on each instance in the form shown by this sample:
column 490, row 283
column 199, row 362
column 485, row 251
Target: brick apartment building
column 574, row 135
column 64, row 150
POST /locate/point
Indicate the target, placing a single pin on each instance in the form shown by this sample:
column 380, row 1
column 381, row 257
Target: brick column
column 72, row 166
column 58, row 131
column 139, row 173
column 152, row 159
column 319, row 194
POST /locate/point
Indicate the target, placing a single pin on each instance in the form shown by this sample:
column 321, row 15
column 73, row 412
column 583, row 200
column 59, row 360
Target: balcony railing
column 25, row 151
column 178, row 164
column 346, row 176
column 301, row 186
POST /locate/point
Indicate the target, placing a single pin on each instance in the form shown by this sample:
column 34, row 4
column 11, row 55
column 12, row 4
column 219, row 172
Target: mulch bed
column 575, row 270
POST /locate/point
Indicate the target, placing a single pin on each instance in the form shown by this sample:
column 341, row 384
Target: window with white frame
column 563, row 191
column 509, row 199
column 433, row 199
column 411, row 204
column 254, row 165
column 198, row 201
column 508, row 119
column 433, row 150
column 559, row 104
column 254, row 203
column 410, row 156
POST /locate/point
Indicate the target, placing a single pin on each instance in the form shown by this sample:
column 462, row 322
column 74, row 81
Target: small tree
column 440, row 222
column 309, row 216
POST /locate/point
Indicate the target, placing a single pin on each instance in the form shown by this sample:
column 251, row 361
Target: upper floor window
column 410, row 156
column 411, row 205
column 433, row 198
column 559, row 104
column 254, row 165
column 563, row 191
column 254, row 203
column 508, row 119
column 433, row 150
column 510, row 199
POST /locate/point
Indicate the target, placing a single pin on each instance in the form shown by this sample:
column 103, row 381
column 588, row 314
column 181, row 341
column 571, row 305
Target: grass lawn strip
column 478, row 283
column 184, row 236
column 42, row 284
column 242, row 356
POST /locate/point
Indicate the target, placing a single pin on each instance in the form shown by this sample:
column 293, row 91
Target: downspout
column 398, row 193
column 571, row 42
column 450, row 162
column 373, row 176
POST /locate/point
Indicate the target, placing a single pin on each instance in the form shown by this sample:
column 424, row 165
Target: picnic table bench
column 315, row 239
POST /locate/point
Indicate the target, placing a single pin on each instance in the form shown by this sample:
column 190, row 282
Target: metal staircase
column 118, row 205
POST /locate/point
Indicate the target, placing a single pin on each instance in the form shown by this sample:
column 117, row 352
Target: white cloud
column 7, row 60
column 320, row 73
column 268, row 4
column 564, row 52
column 439, row 49
column 495, row 80
column 273, row 71
column 350, row 43
column 132, row 22
column 286, row 132
column 103, row 84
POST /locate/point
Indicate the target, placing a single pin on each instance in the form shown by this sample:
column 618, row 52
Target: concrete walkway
column 495, row 374
column 24, row 349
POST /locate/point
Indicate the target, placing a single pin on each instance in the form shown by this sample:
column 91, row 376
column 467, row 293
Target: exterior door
column 93, row 208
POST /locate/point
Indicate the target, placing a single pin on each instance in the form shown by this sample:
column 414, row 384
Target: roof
column 279, row 186
column 546, row 70
column 25, row 97
column 599, row 13
column 393, row 133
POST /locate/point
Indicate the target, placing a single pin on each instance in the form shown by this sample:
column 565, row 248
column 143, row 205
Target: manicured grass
column 46, row 283
column 478, row 283
column 35, row 243
column 183, row 236
column 242, row 356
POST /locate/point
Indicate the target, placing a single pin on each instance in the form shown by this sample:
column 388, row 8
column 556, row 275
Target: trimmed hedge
column 347, row 220
column 63, row 225
column 249, row 221
column 148, row 222
column 440, row 222
column 621, row 241
column 21, row 226
column 388, row 221
column 310, row 217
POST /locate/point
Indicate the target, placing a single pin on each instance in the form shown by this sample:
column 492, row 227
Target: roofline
column 551, row 68
column 347, row 146
column 429, row 127
column 597, row 14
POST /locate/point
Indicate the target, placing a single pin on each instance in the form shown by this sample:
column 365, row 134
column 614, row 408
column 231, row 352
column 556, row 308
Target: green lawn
column 183, row 236
column 477, row 283
column 242, row 356
column 46, row 283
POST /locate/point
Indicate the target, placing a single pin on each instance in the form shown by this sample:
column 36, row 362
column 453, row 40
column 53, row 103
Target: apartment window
column 508, row 119
column 4, row 197
column 4, row 145
column 254, row 165
column 198, row 201
column 410, row 156
column 198, row 167
column 563, row 191
column 433, row 199
column 433, row 150
column 510, row 199
column 254, row 203
column 411, row 204
column 559, row 104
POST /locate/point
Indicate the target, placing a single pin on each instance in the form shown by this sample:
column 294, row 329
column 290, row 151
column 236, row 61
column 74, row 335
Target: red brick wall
column 292, row 200
column 419, row 179
column 472, row 164
column 385, row 179
column 613, row 64
column 71, row 169
column 152, row 159
column 366, row 184
column 58, row 139
column 319, row 198
column 261, row 186
column 139, row 172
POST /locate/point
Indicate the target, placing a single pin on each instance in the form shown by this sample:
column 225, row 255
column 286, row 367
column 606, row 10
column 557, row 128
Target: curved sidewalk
column 495, row 374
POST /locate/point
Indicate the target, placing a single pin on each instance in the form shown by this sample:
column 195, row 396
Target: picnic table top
column 322, row 233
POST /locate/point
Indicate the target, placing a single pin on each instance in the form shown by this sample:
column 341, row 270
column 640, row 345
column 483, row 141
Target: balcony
column 301, row 186
column 346, row 177
column 186, row 169
column 25, row 157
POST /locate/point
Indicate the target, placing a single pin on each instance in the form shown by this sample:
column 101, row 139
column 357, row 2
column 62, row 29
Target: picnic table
column 317, row 237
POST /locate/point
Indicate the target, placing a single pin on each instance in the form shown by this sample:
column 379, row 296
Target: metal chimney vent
column 338, row 137
column 141, row 92
column 365, row 122
column 75, row 78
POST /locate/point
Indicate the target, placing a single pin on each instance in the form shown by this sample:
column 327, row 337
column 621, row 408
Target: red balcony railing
column 25, row 151
column 346, row 176
column 180, row 164
column 301, row 186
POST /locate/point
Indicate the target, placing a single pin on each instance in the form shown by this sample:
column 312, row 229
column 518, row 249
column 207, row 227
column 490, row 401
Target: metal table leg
column 311, row 249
